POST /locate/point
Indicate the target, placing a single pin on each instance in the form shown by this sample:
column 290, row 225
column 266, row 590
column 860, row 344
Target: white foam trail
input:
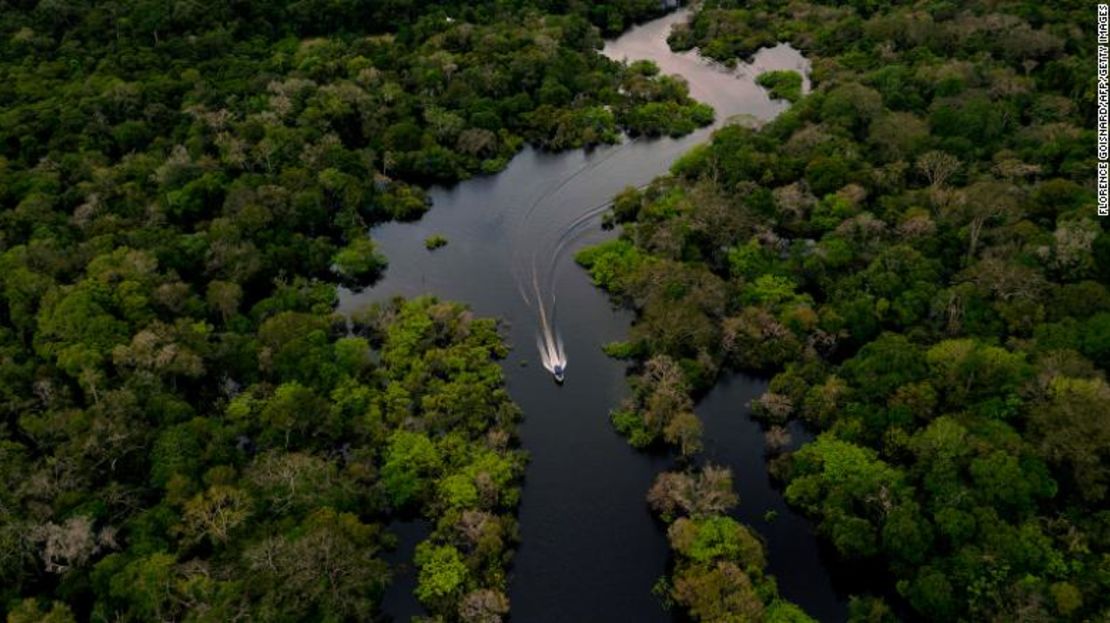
column 549, row 342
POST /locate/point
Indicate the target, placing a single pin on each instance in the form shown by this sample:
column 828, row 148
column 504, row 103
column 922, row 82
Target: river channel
column 590, row 549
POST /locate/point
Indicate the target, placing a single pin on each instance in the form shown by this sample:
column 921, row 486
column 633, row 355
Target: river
column 590, row 549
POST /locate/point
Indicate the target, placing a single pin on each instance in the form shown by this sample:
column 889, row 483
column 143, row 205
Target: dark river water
column 591, row 551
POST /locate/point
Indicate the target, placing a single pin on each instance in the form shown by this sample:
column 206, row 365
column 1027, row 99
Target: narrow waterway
column 591, row 551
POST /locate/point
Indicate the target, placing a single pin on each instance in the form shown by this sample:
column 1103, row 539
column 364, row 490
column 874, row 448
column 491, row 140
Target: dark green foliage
column 785, row 85
column 188, row 432
column 281, row 476
column 915, row 251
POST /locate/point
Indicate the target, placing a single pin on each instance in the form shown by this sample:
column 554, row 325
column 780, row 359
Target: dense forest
column 913, row 251
column 188, row 430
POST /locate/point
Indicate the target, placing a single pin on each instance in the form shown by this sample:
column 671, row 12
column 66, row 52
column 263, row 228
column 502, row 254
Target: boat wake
column 548, row 340
column 551, row 255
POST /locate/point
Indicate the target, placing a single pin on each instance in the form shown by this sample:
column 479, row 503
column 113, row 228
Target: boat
column 559, row 374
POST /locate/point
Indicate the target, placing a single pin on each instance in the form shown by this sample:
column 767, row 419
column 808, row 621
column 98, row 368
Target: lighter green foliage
column 611, row 262
column 773, row 291
column 968, row 368
column 716, row 538
column 442, row 572
column 782, row 611
column 359, row 259
column 409, row 460
column 786, row 85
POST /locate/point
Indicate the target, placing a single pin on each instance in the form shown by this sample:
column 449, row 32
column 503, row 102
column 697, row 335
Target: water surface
column 591, row 551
